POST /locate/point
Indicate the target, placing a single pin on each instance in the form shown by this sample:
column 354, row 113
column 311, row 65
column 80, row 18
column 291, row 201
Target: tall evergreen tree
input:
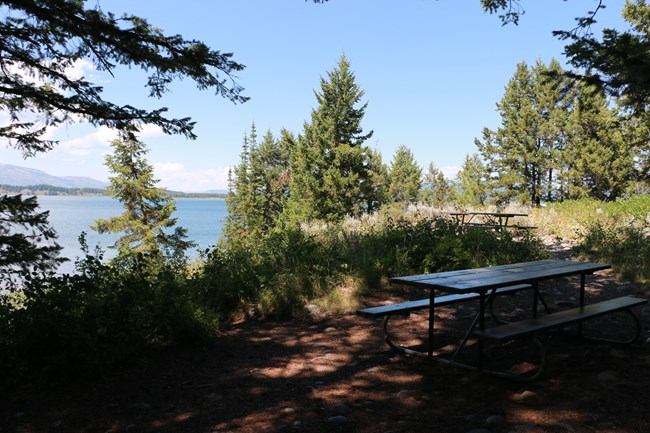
column 436, row 191
column 472, row 183
column 261, row 184
column 405, row 177
column 522, row 154
column 375, row 190
column 619, row 62
column 148, row 210
column 41, row 41
column 240, row 199
column 599, row 159
column 331, row 167
column 43, row 38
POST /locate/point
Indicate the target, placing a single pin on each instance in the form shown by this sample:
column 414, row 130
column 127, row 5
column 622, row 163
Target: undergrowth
column 617, row 232
column 82, row 324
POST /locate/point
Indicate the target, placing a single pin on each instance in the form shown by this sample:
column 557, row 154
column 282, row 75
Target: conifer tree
column 240, row 194
column 405, row 177
column 523, row 153
column 269, row 166
column 599, row 160
column 331, row 167
column 375, row 190
column 472, row 183
column 259, row 188
column 437, row 191
column 41, row 41
column 148, row 210
column 27, row 241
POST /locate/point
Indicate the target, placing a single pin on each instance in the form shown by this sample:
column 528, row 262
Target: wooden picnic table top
column 494, row 214
column 484, row 279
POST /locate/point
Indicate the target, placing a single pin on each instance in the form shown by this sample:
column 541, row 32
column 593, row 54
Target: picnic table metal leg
column 473, row 325
column 536, row 298
column 583, row 278
column 481, row 326
column 431, row 320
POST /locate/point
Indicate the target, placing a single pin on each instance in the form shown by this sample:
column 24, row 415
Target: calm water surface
column 203, row 218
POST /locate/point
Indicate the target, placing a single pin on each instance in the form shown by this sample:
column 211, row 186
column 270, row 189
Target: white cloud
column 99, row 140
column 81, row 68
column 176, row 177
column 450, row 172
column 150, row 130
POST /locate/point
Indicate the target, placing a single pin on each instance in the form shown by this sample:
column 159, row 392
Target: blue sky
column 432, row 72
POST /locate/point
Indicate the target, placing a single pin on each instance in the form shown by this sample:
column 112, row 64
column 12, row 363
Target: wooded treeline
column 559, row 139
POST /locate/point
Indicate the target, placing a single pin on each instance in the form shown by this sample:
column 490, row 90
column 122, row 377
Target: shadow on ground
column 335, row 374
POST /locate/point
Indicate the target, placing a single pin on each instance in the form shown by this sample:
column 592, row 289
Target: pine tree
column 472, row 183
column 599, row 159
column 331, row 167
column 41, row 40
column 405, row 177
column 270, row 177
column 148, row 209
column 375, row 190
column 27, row 241
column 437, row 191
column 259, row 189
column 240, row 191
column 618, row 63
column 523, row 153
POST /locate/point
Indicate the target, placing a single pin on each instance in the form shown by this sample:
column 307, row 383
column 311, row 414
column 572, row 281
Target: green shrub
column 626, row 247
column 277, row 274
column 81, row 324
column 616, row 232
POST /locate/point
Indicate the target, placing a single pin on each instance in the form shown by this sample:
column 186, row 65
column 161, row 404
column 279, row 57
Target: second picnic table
column 497, row 220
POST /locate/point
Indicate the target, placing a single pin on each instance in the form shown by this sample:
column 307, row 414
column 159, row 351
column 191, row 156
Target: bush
column 625, row 245
column 277, row 274
column 616, row 232
column 82, row 324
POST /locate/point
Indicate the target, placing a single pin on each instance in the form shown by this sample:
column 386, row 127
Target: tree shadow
column 336, row 374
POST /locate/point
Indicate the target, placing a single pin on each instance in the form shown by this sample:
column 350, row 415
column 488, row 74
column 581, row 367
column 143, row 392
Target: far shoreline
column 55, row 191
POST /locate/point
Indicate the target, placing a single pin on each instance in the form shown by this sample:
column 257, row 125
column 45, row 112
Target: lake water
column 203, row 218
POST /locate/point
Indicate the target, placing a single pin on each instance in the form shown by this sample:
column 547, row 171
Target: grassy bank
column 617, row 232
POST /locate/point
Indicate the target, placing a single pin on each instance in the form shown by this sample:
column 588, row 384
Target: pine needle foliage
column 43, row 39
column 27, row 241
column 147, row 217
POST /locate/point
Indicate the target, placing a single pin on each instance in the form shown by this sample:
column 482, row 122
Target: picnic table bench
column 485, row 284
column 405, row 308
column 563, row 318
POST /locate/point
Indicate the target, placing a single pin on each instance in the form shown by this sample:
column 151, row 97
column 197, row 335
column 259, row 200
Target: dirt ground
column 334, row 373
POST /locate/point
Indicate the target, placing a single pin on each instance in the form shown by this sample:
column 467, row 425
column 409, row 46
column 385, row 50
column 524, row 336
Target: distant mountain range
column 22, row 176
column 14, row 175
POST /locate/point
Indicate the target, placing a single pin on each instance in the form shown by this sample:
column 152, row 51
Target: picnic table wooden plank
column 410, row 279
column 496, row 276
column 523, row 276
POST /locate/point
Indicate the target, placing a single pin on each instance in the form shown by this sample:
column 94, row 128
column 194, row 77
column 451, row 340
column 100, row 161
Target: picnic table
column 495, row 220
column 484, row 285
